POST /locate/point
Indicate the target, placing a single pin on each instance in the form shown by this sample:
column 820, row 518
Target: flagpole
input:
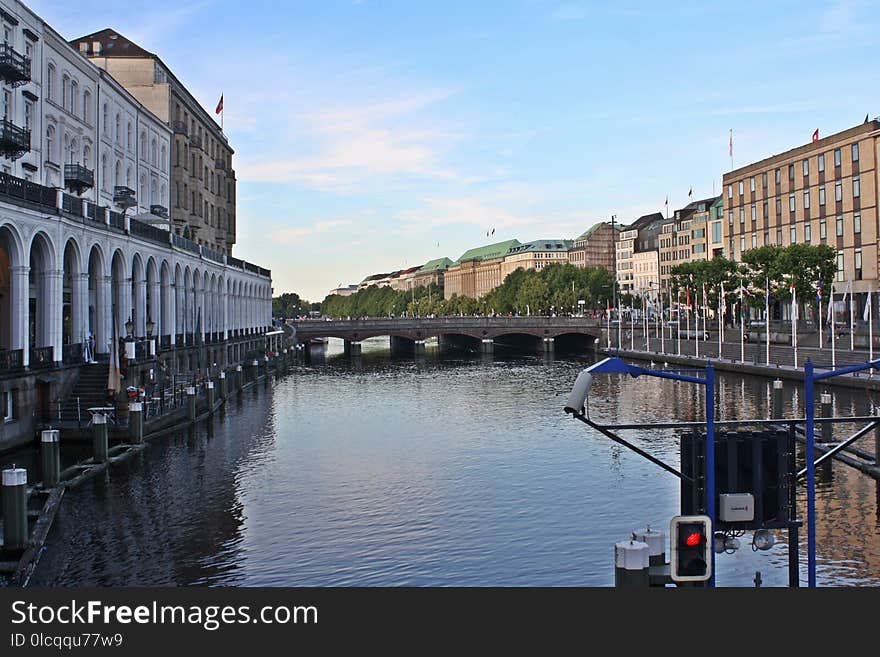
column 794, row 324
column 696, row 328
column 833, row 329
column 645, row 321
column 678, row 322
column 632, row 327
column 852, row 346
column 870, row 326
column 662, row 330
column 720, row 325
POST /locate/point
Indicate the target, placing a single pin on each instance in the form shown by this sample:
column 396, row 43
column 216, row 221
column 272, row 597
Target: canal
column 436, row 471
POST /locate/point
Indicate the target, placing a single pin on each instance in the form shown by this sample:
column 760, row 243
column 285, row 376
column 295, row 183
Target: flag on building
column 219, row 105
column 690, row 192
column 794, row 308
column 816, row 135
column 866, row 118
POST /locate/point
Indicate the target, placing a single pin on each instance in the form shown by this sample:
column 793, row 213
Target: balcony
column 159, row 211
column 15, row 68
column 124, row 197
column 179, row 128
column 77, row 178
column 14, row 141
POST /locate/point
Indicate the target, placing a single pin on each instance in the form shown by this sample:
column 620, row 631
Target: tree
column 290, row 305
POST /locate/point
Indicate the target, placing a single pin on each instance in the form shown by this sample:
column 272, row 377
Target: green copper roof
column 488, row 251
column 436, row 264
column 541, row 245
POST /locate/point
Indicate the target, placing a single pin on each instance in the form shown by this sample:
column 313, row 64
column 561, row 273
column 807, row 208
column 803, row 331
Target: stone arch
column 73, row 297
column 99, row 302
column 165, row 326
column 153, row 303
column 13, row 278
column 138, row 295
column 44, row 312
column 120, row 286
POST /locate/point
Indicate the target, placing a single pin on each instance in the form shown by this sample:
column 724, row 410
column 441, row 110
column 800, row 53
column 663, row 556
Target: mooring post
column 136, row 422
column 15, row 523
column 50, row 457
column 238, row 374
column 549, row 345
column 777, row 399
column 826, row 412
column 632, row 565
column 210, row 386
column 254, row 370
column 99, row 437
column 191, row 403
column 266, row 370
column 223, row 386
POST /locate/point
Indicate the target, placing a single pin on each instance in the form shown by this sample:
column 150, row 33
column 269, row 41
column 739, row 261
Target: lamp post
column 151, row 341
column 129, row 340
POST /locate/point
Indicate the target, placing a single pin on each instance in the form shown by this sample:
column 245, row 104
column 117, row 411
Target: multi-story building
column 477, row 271
column 404, row 280
column 344, row 291
column 626, row 248
column 535, row 255
column 824, row 192
column 202, row 192
column 646, row 273
column 595, row 248
column 432, row 273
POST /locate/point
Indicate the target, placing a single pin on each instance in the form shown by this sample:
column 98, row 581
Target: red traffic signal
column 691, row 558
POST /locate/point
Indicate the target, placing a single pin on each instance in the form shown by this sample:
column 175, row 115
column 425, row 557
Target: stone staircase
column 90, row 390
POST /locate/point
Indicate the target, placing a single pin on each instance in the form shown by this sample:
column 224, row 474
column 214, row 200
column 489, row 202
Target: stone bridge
column 469, row 333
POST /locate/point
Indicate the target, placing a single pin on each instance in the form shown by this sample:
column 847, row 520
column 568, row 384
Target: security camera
column 577, row 399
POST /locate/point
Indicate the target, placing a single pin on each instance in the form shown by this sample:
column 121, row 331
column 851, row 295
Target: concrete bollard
column 136, row 423
column 191, row 403
column 355, row 348
column 99, row 438
column 656, row 542
column 827, row 434
column 238, row 374
column 50, row 457
column 15, row 522
column 210, row 397
column 549, row 345
column 255, row 370
column 631, row 564
column 223, row 386
column 777, row 399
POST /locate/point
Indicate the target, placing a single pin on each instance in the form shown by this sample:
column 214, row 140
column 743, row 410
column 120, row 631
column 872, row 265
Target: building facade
column 203, row 184
column 624, row 260
column 595, row 248
column 824, row 192
column 535, row 255
column 432, row 273
column 477, row 271
column 646, row 272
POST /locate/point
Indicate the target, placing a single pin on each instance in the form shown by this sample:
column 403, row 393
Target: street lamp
column 151, row 326
column 129, row 327
column 129, row 340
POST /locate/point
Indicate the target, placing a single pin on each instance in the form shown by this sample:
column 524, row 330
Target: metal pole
column 50, row 457
column 136, row 422
column 809, row 410
column 777, row 400
column 710, row 450
column 99, row 437
column 825, row 400
column 15, row 522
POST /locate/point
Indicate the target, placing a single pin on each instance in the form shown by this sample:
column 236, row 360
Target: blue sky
column 374, row 135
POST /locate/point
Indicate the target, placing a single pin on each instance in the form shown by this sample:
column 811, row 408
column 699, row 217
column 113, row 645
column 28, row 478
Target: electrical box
column 736, row 507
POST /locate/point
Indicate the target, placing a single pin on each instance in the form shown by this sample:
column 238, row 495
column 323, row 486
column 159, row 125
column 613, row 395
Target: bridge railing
column 415, row 323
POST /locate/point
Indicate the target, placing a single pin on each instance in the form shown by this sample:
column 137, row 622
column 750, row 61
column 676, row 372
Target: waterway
column 435, row 471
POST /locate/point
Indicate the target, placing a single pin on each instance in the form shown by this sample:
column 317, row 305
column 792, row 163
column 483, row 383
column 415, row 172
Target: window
column 104, row 172
column 840, row 225
column 144, row 153
column 65, row 89
column 754, row 241
column 730, row 191
column 87, row 156
column 778, row 177
column 856, row 187
column 50, row 82
column 754, row 211
column 87, row 106
column 765, row 211
column 163, row 158
column 839, row 266
column 118, row 132
column 742, row 215
column 855, row 152
column 74, row 96
column 764, row 180
column 766, row 238
column 105, row 118
column 50, row 142
column 6, row 405
column 838, row 191
column 823, row 232
column 791, row 202
column 129, row 178
column 742, row 243
column 779, row 236
column 752, row 184
column 730, row 217
column 778, row 207
column 808, row 232
column 29, row 53
column 822, row 195
column 857, row 261
column 857, row 222
column 821, row 162
column 793, row 235
column 740, row 187
column 117, row 174
column 791, row 172
column 806, row 199
column 129, row 140
column 28, row 114
column 806, row 167
column 837, row 157
column 716, row 232
column 154, row 153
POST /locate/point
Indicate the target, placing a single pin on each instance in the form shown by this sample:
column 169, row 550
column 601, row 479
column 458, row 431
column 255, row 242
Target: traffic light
column 691, row 548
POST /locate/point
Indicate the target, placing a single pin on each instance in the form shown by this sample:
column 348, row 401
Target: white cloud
column 294, row 234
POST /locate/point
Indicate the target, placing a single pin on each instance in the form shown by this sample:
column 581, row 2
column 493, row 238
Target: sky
column 372, row 136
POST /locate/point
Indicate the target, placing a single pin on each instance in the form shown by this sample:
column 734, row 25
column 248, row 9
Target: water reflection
column 457, row 470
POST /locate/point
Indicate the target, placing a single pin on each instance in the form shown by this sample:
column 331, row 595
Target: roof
column 489, row 251
column 374, row 277
column 597, row 226
column 436, row 264
column 410, row 270
column 114, row 44
column 540, row 245
column 644, row 220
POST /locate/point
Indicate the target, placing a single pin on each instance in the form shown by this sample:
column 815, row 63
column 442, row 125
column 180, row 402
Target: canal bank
column 40, row 500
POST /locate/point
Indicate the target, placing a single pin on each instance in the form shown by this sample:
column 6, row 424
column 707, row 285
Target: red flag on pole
column 816, row 135
column 219, row 105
